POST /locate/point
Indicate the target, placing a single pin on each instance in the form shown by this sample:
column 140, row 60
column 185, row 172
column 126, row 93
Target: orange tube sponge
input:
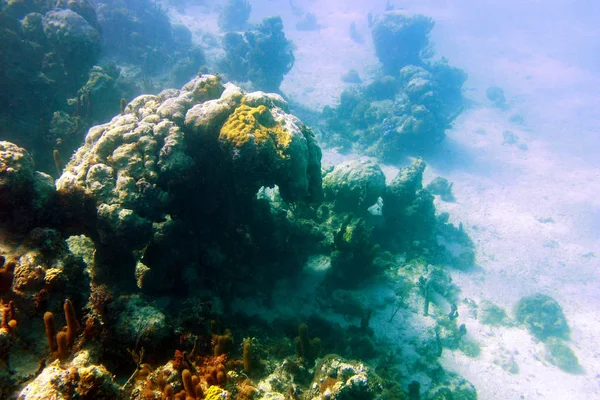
column 186, row 377
column 63, row 345
column 50, row 331
column 224, row 343
column 72, row 324
column 247, row 355
column 168, row 392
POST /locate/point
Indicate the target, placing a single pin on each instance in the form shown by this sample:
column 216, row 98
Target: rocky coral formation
column 407, row 110
column 261, row 55
column 47, row 51
column 25, row 194
column 140, row 33
column 401, row 40
column 141, row 166
column 338, row 379
column 354, row 185
column 51, row 93
column 192, row 200
column 406, row 113
column 543, row 316
column 81, row 378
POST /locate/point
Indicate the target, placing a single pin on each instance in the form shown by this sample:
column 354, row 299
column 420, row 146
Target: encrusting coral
column 255, row 124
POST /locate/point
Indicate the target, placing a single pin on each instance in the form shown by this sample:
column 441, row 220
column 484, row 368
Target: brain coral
column 232, row 141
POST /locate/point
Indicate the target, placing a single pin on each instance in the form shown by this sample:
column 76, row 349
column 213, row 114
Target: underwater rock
column 560, row 354
column 406, row 113
column 354, row 185
column 353, row 255
column 82, row 378
column 440, row 186
column 81, row 7
column 490, row 314
column 453, row 386
column 24, row 192
column 401, row 40
column 140, row 167
column 543, row 317
column 49, row 47
column 404, row 187
column 73, row 36
column 16, row 168
column 408, row 209
column 32, row 27
column 351, row 76
column 262, row 55
column 338, row 379
column 402, row 191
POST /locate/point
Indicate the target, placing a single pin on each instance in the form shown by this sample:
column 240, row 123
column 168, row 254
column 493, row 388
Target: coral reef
column 351, row 76
column 441, row 187
column 53, row 89
column 234, row 15
column 354, row 185
column 396, row 115
column 407, row 109
column 82, row 378
column 336, row 378
column 25, row 194
column 261, row 55
column 139, row 168
column 192, row 201
column 542, row 316
column 491, row 314
column 401, row 40
column 47, row 50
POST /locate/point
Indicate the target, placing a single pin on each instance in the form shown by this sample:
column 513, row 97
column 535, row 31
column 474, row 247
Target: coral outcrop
column 401, row 40
column 47, row 51
column 543, row 316
column 336, row 378
column 354, row 185
column 81, row 379
column 144, row 168
column 407, row 109
column 25, row 193
column 188, row 203
column 261, row 55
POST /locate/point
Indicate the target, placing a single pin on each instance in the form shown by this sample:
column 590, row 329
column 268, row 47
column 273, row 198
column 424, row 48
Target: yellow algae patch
column 247, row 123
column 215, row 393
